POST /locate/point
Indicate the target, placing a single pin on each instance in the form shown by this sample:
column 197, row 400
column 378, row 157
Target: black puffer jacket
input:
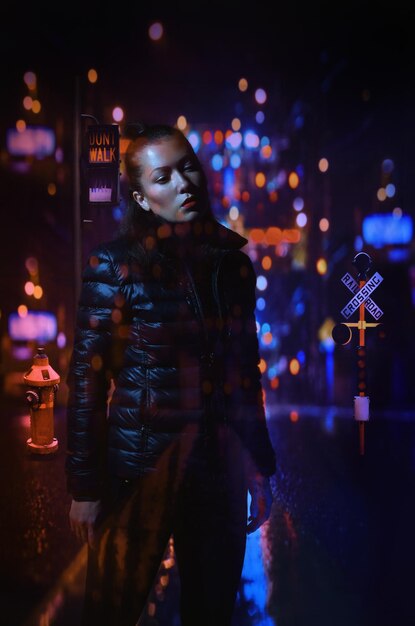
column 171, row 323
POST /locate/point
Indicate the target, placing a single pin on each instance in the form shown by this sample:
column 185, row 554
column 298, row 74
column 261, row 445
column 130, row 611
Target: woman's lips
column 188, row 205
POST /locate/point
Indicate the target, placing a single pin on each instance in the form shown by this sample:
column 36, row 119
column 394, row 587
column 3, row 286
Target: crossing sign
column 342, row 333
column 362, row 295
column 370, row 305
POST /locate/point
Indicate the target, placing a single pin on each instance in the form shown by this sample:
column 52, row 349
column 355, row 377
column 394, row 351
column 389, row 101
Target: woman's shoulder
column 113, row 248
column 107, row 259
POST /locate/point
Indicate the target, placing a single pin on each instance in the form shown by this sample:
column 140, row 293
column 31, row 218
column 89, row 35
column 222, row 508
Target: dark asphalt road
column 339, row 548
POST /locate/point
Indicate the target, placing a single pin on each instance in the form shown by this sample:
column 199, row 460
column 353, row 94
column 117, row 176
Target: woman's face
column 172, row 183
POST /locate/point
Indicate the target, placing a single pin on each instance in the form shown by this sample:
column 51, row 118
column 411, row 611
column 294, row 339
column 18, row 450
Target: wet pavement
column 339, row 548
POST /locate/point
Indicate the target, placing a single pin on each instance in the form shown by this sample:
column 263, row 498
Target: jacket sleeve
column 243, row 385
column 89, row 378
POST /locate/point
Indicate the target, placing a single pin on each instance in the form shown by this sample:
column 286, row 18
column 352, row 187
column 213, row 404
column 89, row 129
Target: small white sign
column 362, row 295
column 370, row 305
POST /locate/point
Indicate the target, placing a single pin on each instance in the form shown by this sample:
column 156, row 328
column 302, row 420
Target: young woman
column 166, row 423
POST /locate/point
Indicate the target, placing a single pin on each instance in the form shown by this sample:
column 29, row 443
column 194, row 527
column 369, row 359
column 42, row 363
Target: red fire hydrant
column 43, row 383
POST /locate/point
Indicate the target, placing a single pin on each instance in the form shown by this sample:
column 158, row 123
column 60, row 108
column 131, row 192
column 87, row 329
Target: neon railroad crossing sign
column 342, row 333
column 362, row 295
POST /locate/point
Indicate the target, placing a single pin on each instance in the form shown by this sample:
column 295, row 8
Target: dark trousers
column 203, row 505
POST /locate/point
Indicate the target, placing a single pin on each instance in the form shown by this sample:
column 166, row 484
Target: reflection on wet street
column 337, row 550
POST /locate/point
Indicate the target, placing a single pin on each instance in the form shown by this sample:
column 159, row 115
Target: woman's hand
column 261, row 502
column 82, row 518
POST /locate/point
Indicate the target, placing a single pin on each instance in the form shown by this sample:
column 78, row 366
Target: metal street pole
column 77, row 194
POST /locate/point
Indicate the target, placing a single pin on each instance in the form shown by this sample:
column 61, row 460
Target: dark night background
column 347, row 70
column 341, row 533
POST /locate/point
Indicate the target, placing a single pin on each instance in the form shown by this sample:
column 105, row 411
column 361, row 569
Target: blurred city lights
column 218, row 137
column 261, row 283
column 20, row 126
column 61, row 340
column 234, row 213
column 92, row 76
column 52, row 189
column 207, row 137
column 294, row 366
column 266, row 263
column 27, row 103
column 217, row 162
column 30, row 80
column 262, row 366
column 194, row 140
column 266, row 152
column 234, row 140
column 323, row 165
column 260, row 117
column 36, row 106
column 298, row 204
column 31, row 265
column 22, row 310
column 260, row 96
column 236, row 124
column 260, row 179
column 397, row 212
column 31, row 141
column 155, row 31
column 29, row 288
column 293, row 180
column 381, row 194
column 235, row 161
column 181, row 122
column 390, row 190
column 324, row 224
column 260, row 304
column 251, row 139
column 59, row 155
column 301, row 357
column 321, row 265
column 294, row 416
column 242, row 84
column 38, row 292
column 387, row 166
column 117, row 114
column 358, row 243
column 301, row 220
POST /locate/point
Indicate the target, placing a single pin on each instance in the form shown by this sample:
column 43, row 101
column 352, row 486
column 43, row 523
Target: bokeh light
column 323, row 165
column 92, row 75
column 324, row 224
column 27, row 103
column 293, row 180
column 236, row 124
column 321, row 266
column 381, row 194
column 30, row 80
column 260, row 96
column 29, row 288
column 117, row 114
column 155, row 31
column 242, row 84
column 181, row 122
column 301, row 220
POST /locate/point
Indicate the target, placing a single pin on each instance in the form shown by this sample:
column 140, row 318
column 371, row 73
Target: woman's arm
column 89, row 378
column 245, row 393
